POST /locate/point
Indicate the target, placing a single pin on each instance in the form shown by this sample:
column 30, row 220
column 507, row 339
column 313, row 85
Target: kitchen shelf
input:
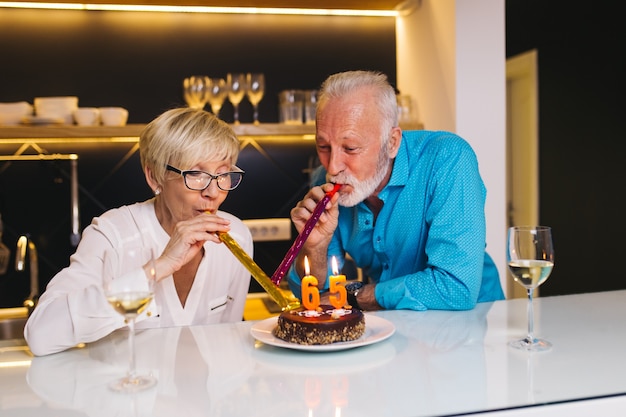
column 131, row 132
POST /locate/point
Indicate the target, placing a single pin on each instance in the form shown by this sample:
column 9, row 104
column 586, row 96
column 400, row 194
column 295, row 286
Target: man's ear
column 394, row 142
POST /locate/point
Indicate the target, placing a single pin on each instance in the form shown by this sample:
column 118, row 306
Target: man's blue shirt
column 426, row 249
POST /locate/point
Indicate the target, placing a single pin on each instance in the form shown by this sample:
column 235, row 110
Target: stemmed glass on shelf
column 195, row 91
column 216, row 94
column 255, row 91
column 530, row 256
column 236, row 91
column 128, row 277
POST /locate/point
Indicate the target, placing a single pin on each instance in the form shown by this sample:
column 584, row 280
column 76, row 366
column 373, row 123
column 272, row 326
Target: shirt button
column 367, row 222
column 386, row 266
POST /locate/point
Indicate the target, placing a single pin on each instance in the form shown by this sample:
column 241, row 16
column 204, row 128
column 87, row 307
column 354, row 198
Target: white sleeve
column 73, row 309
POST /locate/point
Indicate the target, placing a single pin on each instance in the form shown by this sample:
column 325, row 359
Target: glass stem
column 531, row 324
column 132, row 373
column 256, row 114
column 236, row 113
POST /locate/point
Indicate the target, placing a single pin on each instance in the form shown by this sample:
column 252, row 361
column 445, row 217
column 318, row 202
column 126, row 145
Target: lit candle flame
column 307, row 267
column 334, row 265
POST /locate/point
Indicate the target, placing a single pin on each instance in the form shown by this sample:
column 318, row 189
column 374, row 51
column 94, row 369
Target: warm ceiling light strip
column 29, row 5
column 201, row 9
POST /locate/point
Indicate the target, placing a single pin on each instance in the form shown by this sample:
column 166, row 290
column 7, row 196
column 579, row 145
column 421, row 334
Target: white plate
column 303, row 363
column 376, row 330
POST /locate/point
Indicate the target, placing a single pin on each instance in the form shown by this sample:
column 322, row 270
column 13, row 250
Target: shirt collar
column 399, row 172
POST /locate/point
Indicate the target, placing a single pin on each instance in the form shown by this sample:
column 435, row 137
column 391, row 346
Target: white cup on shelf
column 87, row 116
column 113, row 116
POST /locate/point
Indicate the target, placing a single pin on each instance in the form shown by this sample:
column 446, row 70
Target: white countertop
column 436, row 363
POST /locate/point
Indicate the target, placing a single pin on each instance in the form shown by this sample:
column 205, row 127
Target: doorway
column 522, row 144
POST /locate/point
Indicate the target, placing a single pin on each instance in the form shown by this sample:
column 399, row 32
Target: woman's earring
column 157, row 191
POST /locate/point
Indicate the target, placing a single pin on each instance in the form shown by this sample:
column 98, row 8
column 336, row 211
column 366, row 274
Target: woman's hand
column 186, row 242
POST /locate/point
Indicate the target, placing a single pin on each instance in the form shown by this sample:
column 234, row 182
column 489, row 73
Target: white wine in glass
column 236, row 91
column 216, row 94
column 128, row 277
column 255, row 91
column 530, row 256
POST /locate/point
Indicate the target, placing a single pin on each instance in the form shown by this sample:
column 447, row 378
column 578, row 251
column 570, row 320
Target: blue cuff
column 393, row 295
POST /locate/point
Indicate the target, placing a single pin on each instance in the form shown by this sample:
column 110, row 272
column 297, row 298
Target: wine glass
column 256, row 89
column 530, row 257
column 216, row 94
column 195, row 91
column 128, row 276
column 236, row 91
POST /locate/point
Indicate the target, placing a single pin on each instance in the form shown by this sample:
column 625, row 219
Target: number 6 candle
column 310, row 293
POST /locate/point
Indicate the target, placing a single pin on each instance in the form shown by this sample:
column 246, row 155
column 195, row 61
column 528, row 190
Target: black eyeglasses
column 200, row 180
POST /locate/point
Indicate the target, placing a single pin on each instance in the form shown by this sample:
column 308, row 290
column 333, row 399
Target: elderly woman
column 188, row 157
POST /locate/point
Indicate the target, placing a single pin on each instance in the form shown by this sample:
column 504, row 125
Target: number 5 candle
column 337, row 286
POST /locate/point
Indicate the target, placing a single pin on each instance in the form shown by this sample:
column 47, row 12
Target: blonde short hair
column 184, row 137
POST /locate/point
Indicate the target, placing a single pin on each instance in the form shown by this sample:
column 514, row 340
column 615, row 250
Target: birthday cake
column 321, row 326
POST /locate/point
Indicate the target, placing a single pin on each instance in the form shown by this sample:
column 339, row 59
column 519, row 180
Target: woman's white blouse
column 74, row 310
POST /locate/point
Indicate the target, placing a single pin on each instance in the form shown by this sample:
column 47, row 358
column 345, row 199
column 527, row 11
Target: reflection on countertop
column 221, row 370
column 436, row 363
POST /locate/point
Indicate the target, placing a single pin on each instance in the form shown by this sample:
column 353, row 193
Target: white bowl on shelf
column 113, row 116
column 87, row 116
column 13, row 113
column 57, row 107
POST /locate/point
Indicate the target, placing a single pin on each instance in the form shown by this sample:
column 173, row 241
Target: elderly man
column 410, row 211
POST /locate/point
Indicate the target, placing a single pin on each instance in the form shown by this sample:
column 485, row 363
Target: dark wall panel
column 138, row 60
column 582, row 145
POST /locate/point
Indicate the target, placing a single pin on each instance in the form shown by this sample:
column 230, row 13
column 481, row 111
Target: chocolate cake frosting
column 322, row 326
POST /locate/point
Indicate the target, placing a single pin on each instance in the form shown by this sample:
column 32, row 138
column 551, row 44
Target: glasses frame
column 212, row 177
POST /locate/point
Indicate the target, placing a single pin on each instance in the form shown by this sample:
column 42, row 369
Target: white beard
column 362, row 189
